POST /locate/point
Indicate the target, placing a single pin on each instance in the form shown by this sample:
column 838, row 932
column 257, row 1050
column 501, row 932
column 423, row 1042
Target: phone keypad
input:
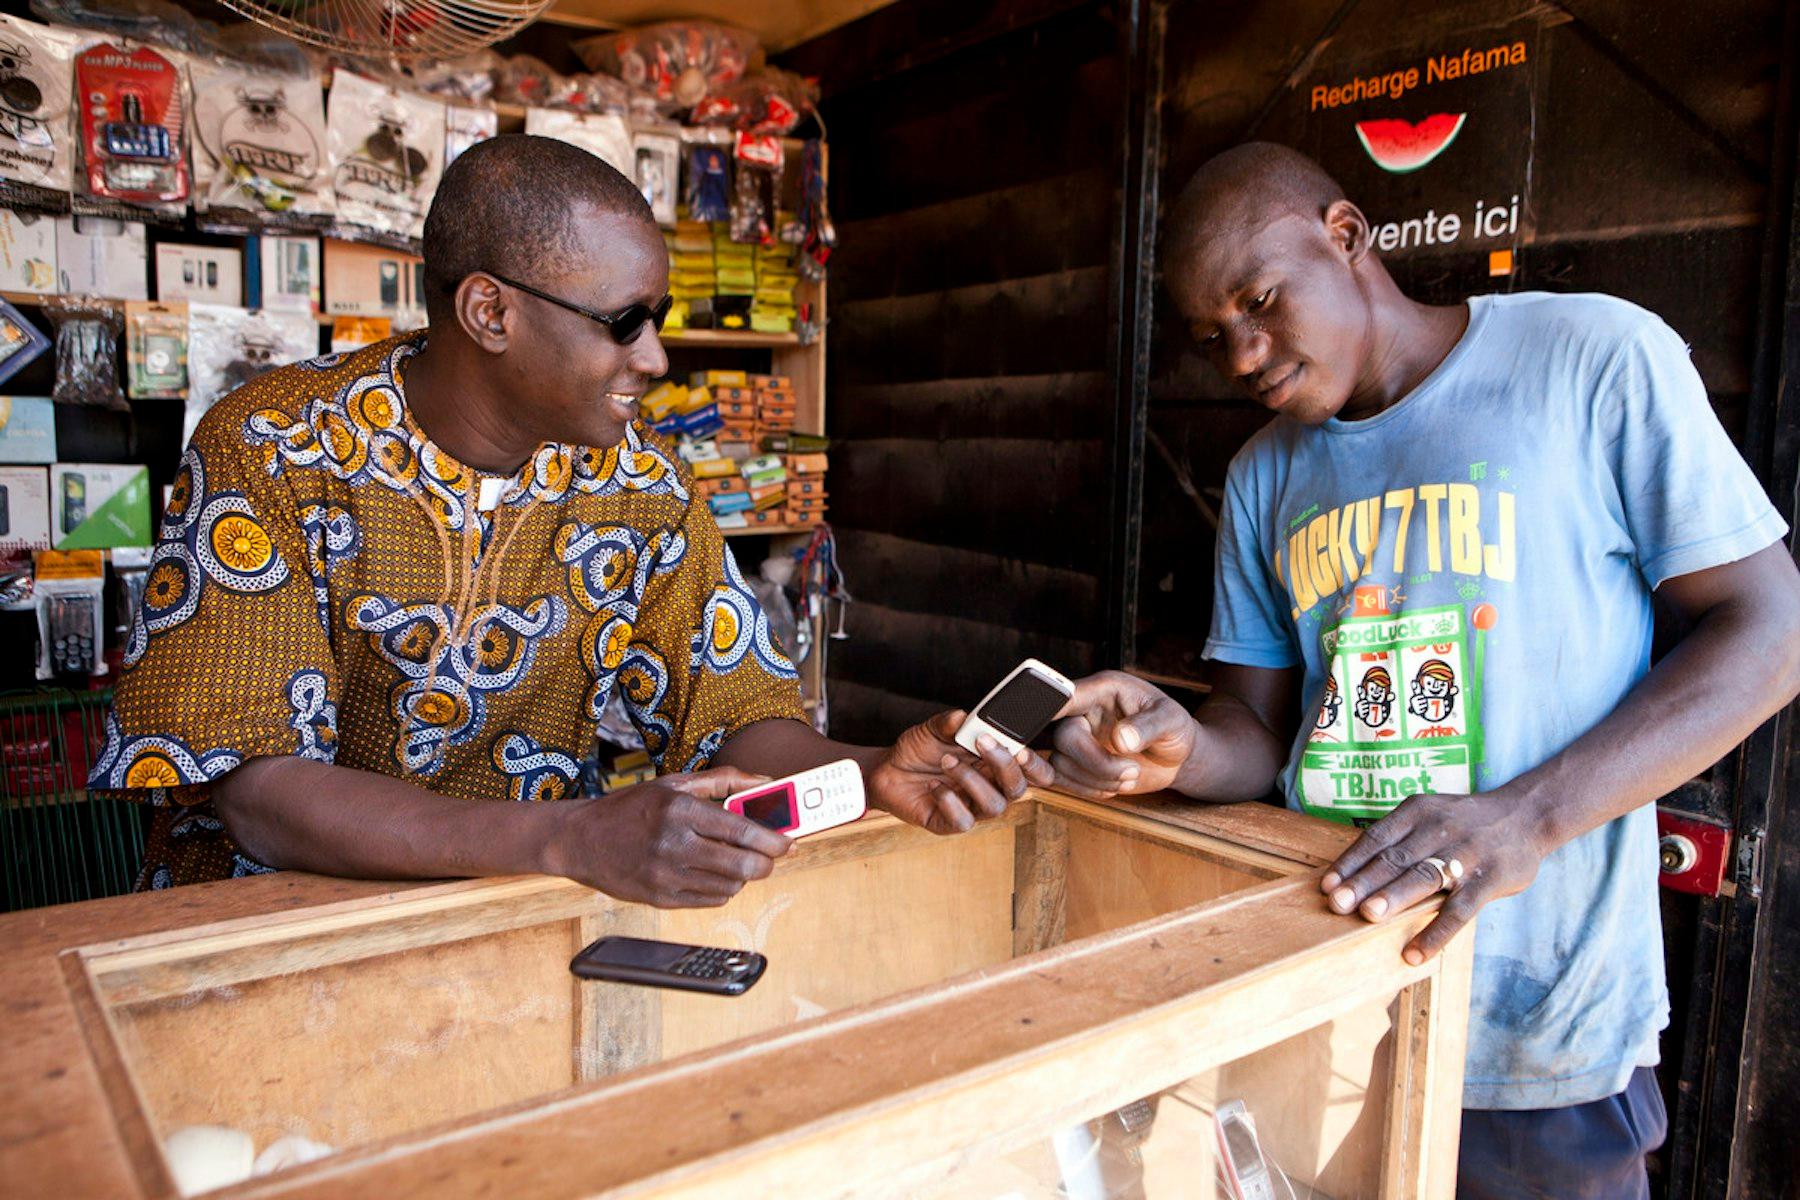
column 711, row 962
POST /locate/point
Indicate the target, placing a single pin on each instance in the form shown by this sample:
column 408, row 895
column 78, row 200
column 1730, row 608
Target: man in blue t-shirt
column 1432, row 617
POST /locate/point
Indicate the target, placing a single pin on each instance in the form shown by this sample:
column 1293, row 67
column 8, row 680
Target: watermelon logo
column 1400, row 146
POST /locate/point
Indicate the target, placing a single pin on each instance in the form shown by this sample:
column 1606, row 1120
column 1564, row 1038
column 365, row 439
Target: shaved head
column 1246, row 188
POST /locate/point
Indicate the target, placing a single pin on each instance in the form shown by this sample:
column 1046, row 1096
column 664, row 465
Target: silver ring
column 1449, row 873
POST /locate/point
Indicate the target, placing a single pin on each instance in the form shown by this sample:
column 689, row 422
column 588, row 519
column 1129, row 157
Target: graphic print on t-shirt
column 1401, row 711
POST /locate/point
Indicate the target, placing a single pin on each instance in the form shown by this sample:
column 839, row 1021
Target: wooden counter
column 935, row 1010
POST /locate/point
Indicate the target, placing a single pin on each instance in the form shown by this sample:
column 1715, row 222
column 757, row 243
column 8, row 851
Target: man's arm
column 1125, row 735
column 1738, row 664
column 924, row 778
column 658, row 843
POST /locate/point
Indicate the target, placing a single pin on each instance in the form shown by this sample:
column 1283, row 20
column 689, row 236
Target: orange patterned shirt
column 325, row 585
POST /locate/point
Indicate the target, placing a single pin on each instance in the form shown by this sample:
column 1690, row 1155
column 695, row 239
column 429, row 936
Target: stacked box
column 692, row 271
column 772, row 307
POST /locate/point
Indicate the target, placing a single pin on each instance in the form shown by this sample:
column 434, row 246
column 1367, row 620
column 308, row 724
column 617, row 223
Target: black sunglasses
column 624, row 325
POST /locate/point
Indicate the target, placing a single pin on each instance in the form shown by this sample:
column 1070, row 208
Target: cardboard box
column 372, row 281
column 96, row 506
column 24, row 509
column 806, row 464
column 209, row 274
column 27, row 252
column 27, row 430
column 288, row 273
column 98, row 256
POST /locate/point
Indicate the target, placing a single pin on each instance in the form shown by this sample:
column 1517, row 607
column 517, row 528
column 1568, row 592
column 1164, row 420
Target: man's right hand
column 1120, row 734
column 667, row 842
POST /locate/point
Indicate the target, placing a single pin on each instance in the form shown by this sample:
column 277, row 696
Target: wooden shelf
column 37, row 301
column 768, row 530
column 739, row 338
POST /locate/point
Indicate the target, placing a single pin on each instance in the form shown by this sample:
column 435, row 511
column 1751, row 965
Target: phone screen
column 1244, row 1154
column 636, row 952
column 1024, row 706
column 773, row 809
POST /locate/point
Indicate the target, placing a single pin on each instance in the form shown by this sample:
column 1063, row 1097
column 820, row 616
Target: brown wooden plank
column 1040, row 871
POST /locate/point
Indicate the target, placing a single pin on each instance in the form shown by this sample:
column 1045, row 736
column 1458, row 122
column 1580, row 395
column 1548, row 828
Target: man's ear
column 1349, row 230
column 484, row 314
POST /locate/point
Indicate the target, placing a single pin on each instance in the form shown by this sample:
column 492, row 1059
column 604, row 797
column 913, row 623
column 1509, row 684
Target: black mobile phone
column 670, row 965
column 390, row 283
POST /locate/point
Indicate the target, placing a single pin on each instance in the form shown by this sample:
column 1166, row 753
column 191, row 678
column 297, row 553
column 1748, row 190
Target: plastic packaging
column 228, row 347
column 709, row 183
column 387, row 151
column 759, row 161
column 37, row 135
column 657, row 172
column 156, row 350
column 463, row 127
column 769, row 101
column 133, row 126
column 604, row 135
column 469, row 78
column 677, row 63
column 155, row 21
column 20, row 341
column 259, row 145
column 87, row 351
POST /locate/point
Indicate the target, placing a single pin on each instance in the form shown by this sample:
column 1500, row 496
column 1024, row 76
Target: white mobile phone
column 814, row 800
column 1018, row 708
column 1241, row 1154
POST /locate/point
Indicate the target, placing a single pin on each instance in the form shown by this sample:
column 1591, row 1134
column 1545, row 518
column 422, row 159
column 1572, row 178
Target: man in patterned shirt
column 394, row 586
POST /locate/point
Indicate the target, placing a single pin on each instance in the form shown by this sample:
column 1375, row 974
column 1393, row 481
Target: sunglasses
column 624, row 325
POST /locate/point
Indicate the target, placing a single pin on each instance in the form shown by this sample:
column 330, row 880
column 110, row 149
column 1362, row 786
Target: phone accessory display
column 1018, row 708
column 133, row 125
column 709, row 184
column 648, row 963
column 810, row 802
column 463, row 127
column 156, row 350
column 37, row 140
column 87, row 351
column 604, row 135
column 20, row 342
column 259, row 146
column 819, row 235
column 70, row 616
column 228, row 347
column 387, row 149
column 657, row 172
column 759, row 162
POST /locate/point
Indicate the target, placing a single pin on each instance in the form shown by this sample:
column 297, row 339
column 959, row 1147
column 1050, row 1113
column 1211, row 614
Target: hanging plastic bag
column 228, row 347
column 709, row 184
column 768, row 102
column 604, row 135
column 463, row 127
column 387, row 153
column 259, row 146
column 758, row 164
column 37, row 131
column 87, row 351
column 675, row 63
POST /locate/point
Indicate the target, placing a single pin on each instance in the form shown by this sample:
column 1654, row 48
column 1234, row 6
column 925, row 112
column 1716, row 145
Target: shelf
column 730, row 337
column 36, row 300
column 768, row 530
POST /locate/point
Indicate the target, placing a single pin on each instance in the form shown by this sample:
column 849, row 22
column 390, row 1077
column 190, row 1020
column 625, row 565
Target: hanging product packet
column 228, row 347
column 37, row 131
column 259, row 148
column 387, row 154
column 464, row 126
column 759, row 160
column 604, row 135
column 709, row 183
column 133, row 115
column 657, row 173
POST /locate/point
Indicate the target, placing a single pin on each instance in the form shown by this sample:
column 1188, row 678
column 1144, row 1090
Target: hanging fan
column 395, row 30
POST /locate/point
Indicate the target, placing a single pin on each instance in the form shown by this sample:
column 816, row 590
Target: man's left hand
column 1489, row 833
column 930, row 781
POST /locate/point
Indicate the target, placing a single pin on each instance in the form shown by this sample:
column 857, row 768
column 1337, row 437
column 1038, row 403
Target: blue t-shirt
column 1466, row 578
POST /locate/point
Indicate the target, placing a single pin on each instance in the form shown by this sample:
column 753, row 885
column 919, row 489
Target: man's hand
column 930, row 781
column 667, row 842
column 1494, row 835
column 1121, row 735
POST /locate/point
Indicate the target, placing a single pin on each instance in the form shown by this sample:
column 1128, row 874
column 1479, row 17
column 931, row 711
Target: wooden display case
column 940, row 1016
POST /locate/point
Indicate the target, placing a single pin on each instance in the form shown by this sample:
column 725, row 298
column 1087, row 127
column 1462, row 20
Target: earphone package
column 259, row 148
column 387, row 153
column 37, row 134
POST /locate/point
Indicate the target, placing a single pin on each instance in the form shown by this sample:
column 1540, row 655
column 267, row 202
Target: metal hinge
column 1749, row 863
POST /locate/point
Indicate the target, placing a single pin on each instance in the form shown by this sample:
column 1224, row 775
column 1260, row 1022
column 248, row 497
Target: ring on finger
column 1449, row 872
